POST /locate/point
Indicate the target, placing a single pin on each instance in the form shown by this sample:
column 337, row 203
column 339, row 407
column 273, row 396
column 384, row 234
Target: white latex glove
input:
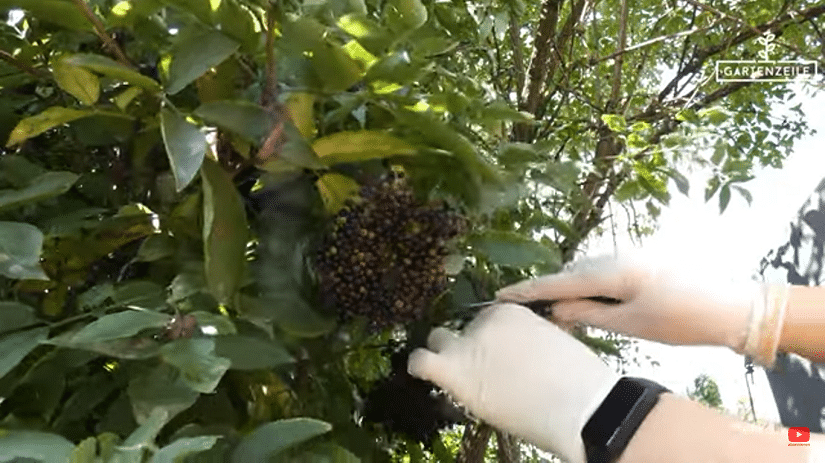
column 520, row 373
column 657, row 304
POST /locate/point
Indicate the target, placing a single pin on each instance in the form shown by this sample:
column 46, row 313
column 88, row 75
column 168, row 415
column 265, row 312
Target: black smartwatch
column 613, row 424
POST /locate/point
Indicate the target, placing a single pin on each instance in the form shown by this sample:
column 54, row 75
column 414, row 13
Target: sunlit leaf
column 111, row 68
column 185, row 146
column 271, row 438
column 300, row 108
column 335, row 189
column 225, row 232
column 413, row 12
column 77, row 81
column 39, row 123
column 195, row 54
column 360, row 146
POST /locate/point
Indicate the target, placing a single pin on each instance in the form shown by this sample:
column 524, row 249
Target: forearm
column 679, row 430
column 802, row 332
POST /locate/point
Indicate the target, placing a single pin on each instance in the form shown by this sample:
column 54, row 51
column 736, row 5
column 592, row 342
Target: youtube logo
column 799, row 434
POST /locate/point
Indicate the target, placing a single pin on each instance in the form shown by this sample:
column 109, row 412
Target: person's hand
column 657, row 305
column 520, row 373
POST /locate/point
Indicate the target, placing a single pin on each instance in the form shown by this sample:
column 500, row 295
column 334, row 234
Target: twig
column 650, row 42
column 100, row 29
column 616, row 81
column 269, row 97
column 7, row 57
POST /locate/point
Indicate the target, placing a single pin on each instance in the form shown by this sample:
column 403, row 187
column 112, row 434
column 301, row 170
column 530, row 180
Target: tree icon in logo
column 768, row 46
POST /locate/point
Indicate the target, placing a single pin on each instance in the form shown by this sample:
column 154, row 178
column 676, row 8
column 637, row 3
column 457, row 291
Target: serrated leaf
column 185, row 146
column 77, row 81
column 271, row 438
column 359, row 146
column 195, row 54
column 201, row 368
column 17, row 445
column 39, row 123
column 44, row 186
column 237, row 349
column 244, row 118
column 225, row 232
column 179, row 449
column 120, row 325
column 724, row 198
column 14, row 347
column 20, row 247
column 335, row 189
column 515, row 250
column 111, row 68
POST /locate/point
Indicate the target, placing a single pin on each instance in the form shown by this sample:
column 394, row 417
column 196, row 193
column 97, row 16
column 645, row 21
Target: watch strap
column 613, row 424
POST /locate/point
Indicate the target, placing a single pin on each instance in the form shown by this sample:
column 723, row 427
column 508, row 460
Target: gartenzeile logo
column 765, row 69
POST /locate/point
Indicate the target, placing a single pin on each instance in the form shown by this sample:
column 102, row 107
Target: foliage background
column 170, row 164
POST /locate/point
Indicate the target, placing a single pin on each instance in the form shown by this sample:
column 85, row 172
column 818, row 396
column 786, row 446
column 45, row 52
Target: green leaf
column 718, row 154
column 440, row 135
column 159, row 388
column 274, row 437
column 44, row 186
column 85, row 452
column 124, row 348
column 77, row 81
column 563, row 176
column 185, row 146
column 176, row 451
column 120, row 325
column 300, row 106
column 14, row 315
column 335, row 189
column 20, row 445
column 14, row 347
column 20, row 246
column 501, row 111
column 681, row 181
column 200, row 367
column 195, row 54
column 724, row 198
column 59, row 12
column 359, row 146
column 134, row 447
column 296, row 316
column 413, row 13
column 39, row 123
column 744, row 192
column 237, row 348
column 244, row 118
column 156, row 247
column 331, row 452
column 713, row 185
column 225, row 232
column 111, row 68
column 515, row 250
column 335, row 67
column 614, row 122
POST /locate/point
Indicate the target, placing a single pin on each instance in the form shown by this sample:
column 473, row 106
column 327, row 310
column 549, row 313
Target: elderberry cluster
column 384, row 257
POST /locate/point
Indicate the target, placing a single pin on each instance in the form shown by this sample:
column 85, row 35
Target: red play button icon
column 799, row 434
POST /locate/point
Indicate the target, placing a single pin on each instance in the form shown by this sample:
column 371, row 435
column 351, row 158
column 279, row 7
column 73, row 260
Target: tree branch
column 474, row 443
column 100, row 29
column 544, row 44
column 616, row 80
column 7, row 57
column 518, row 56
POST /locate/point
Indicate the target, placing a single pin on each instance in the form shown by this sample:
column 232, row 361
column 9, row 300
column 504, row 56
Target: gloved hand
column 657, row 305
column 520, row 373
